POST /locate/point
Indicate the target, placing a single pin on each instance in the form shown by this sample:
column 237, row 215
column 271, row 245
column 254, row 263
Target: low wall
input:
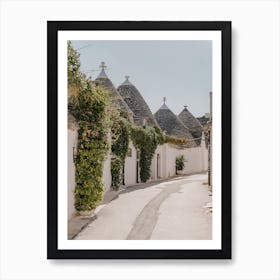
column 163, row 164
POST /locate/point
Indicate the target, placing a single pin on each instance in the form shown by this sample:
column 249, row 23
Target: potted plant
column 180, row 164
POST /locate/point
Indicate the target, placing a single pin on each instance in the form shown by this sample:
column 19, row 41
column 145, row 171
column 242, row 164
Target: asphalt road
column 173, row 209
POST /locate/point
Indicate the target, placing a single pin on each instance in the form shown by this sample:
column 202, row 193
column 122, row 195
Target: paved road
column 172, row 209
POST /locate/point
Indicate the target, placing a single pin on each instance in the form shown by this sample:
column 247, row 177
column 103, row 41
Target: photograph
column 139, row 155
column 139, row 139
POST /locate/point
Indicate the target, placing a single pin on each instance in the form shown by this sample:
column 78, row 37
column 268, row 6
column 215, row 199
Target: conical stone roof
column 203, row 120
column 192, row 123
column 171, row 124
column 137, row 104
column 106, row 83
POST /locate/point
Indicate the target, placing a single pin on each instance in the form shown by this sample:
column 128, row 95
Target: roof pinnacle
column 102, row 73
column 126, row 82
column 163, row 106
column 102, row 65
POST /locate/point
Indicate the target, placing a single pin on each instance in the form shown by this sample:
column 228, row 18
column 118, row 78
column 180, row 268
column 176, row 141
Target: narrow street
column 173, row 209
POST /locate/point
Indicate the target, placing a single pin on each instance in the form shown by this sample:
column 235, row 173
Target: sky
column 181, row 71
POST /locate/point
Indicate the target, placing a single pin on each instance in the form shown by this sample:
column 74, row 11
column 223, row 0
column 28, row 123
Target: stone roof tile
column 105, row 82
column 170, row 123
column 192, row 123
column 137, row 104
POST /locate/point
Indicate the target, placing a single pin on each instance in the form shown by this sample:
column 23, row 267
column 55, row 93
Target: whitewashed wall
column 130, row 176
column 72, row 142
column 196, row 160
column 158, row 163
column 154, row 168
column 107, row 178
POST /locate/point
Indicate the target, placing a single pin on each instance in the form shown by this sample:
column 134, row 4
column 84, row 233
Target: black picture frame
column 53, row 27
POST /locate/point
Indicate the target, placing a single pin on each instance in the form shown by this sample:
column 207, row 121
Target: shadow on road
column 149, row 184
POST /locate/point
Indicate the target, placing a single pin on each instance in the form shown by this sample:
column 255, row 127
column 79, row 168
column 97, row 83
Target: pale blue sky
column 181, row 71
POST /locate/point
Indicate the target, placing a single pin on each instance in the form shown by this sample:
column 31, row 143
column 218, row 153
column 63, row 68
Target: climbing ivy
column 90, row 108
column 120, row 138
column 146, row 139
column 90, row 111
column 116, row 172
column 74, row 73
column 120, row 132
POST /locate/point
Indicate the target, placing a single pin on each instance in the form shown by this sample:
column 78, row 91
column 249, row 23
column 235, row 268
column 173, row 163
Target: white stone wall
column 196, row 160
column 130, row 176
column 72, row 142
column 158, row 164
column 107, row 178
column 154, row 167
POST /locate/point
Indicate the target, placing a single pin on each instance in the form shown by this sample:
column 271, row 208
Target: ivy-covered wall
column 146, row 140
column 89, row 105
column 120, row 141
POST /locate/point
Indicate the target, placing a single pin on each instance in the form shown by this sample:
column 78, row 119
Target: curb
column 78, row 223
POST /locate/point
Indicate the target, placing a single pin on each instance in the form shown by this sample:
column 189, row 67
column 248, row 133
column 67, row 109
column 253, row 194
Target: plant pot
column 88, row 213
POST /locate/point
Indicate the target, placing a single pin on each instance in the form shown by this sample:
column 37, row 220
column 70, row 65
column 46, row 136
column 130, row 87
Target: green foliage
column 116, row 172
column 91, row 104
column 92, row 148
column 74, row 74
column 120, row 141
column 90, row 108
column 180, row 162
column 146, row 139
column 176, row 140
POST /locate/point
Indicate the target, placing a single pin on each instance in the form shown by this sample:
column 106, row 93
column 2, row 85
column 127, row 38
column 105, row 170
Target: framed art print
column 139, row 140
